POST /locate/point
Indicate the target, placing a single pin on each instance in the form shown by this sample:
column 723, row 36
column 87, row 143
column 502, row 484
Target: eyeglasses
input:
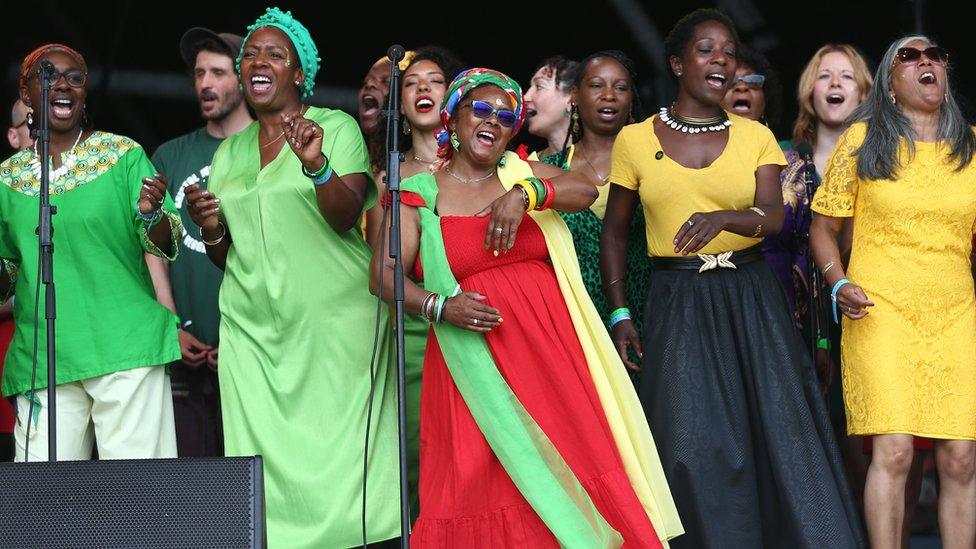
column 483, row 109
column 751, row 80
column 75, row 78
column 913, row 55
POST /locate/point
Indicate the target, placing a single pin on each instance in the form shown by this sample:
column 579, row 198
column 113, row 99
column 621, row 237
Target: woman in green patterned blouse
column 114, row 337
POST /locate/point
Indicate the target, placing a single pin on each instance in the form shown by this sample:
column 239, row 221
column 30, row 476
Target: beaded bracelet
column 151, row 218
column 618, row 315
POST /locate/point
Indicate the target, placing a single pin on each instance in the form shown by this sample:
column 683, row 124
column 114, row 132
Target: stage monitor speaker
column 187, row 503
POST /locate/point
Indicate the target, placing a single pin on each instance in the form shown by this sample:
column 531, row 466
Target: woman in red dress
column 530, row 432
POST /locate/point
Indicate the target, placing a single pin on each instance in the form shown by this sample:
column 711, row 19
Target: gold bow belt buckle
column 719, row 261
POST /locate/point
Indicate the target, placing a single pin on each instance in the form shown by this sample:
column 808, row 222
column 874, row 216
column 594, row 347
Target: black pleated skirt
column 736, row 412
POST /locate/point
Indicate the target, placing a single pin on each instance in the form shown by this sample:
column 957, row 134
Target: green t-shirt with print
column 194, row 278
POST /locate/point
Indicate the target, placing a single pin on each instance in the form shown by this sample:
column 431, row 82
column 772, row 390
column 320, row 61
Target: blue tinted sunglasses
column 483, row 110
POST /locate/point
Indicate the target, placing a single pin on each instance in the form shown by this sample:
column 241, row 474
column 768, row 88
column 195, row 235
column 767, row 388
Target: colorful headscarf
column 37, row 54
column 308, row 53
column 462, row 85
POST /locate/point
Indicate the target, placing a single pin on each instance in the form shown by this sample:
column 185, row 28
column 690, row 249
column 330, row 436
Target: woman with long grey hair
column 904, row 172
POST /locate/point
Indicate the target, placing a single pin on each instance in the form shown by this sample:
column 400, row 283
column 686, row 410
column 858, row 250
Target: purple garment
column 787, row 251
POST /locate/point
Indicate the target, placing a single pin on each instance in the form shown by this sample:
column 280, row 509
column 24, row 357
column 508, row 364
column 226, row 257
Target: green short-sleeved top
column 108, row 319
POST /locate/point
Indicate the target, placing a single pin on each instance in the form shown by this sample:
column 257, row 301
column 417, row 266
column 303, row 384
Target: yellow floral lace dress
column 910, row 365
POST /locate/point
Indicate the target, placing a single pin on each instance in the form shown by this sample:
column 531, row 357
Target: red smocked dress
column 466, row 497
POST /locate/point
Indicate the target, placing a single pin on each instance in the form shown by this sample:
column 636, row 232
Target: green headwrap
column 308, row 53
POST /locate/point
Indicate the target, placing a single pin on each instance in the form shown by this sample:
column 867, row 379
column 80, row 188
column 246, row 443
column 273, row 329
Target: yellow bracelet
column 530, row 192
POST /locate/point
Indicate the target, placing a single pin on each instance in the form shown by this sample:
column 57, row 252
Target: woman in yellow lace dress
column 904, row 172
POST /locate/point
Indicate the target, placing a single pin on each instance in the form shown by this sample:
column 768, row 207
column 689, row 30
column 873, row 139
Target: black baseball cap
column 195, row 35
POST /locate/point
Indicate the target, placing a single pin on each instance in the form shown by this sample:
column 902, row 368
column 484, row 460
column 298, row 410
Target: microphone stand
column 46, row 254
column 394, row 157
column 816, row 281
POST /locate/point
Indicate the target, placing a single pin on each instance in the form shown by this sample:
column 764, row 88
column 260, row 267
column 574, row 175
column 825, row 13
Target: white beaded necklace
column 66, row 166
column 681, row 124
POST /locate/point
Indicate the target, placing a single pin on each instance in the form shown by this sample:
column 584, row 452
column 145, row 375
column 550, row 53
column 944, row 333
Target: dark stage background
column 140, row 88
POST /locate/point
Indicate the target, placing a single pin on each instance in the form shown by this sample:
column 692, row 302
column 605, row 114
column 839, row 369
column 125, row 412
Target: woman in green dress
column 297, row 319
column 605, row 100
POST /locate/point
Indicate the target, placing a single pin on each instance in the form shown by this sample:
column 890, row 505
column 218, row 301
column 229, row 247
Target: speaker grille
column 164, row 503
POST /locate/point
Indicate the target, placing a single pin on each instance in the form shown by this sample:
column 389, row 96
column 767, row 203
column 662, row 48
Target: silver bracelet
column 758, row 210
column 828, row 266
column 214, row 242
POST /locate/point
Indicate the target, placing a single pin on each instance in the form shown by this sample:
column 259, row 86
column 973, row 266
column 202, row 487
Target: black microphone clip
column 395, row 53
column 46, row 69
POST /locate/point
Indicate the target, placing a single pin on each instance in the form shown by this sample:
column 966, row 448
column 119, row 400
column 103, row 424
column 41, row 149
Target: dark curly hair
column 442, row 57
column 684, row 30
column 376, row 141
column 772, row 88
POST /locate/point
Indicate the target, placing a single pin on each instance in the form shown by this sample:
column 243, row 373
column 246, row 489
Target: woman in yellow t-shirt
column 727, row 386
column 904, row 172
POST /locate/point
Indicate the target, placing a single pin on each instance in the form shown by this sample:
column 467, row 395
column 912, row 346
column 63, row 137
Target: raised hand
column 304, row 136
column 203, row 206
column 152, row 193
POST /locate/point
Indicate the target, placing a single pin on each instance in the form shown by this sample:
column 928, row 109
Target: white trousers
column 129, row 414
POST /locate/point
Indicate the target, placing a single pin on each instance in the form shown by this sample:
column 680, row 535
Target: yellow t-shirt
column 671, row 192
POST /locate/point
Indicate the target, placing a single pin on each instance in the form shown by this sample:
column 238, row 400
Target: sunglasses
column 75, row 78
column 751, row 80
column 932, row 53
column 483, row 110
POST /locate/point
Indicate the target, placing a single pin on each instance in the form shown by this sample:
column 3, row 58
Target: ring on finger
column 498, row 229
column 474, row 321
column 690, row 223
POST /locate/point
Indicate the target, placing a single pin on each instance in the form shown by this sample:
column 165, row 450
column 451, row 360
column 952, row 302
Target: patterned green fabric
column 107, row 310
column 94, row 156
column 586, row 228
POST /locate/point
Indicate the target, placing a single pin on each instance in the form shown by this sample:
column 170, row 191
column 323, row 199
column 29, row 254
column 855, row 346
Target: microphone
column 805, row 151
column 395, row 53
column 46, row 68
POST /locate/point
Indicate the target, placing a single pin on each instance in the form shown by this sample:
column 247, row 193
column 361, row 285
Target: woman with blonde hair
column 833, row 84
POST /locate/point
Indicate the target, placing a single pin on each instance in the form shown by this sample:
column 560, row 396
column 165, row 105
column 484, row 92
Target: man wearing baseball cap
column 189, row 286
